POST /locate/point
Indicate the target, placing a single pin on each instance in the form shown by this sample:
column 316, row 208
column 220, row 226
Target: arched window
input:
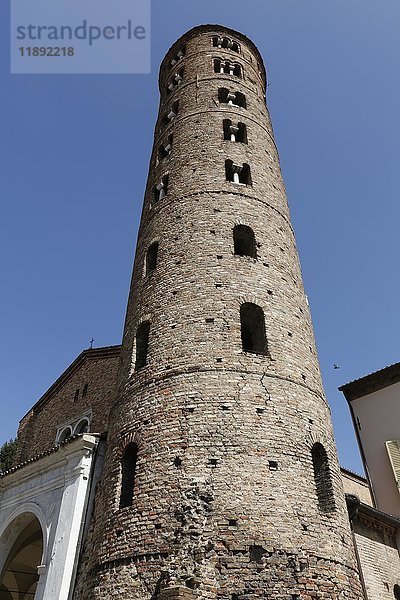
column 64, row 435
column 151, row 258
column 82, row 427
column 252, row 324
column 244, row 241
column 142, row 344
column 236, row 70
column 322, row 478
column 128, row 471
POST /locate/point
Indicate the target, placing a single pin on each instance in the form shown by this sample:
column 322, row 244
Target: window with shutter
column 393, row 450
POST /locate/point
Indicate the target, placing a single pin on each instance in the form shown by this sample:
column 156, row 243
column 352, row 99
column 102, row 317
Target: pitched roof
column 372, row 382
column 89, row 354
column 46, row 453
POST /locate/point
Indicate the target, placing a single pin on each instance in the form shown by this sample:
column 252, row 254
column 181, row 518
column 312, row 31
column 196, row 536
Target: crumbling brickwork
column 225, row 502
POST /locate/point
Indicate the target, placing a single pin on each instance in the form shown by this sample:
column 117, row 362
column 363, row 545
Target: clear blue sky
column 74, row 154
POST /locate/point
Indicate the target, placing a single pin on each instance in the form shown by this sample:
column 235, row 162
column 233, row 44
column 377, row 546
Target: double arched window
column 227, row 67
column 76, row 427
column 238, row 173
column 235, row 132
column 231, row 98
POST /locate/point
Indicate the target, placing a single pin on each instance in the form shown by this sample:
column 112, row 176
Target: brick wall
column 379, row 558
column 61, row 405
column 225, row 501
column 357, row 485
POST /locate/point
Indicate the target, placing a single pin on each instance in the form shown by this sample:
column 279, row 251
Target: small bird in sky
column 336, row 367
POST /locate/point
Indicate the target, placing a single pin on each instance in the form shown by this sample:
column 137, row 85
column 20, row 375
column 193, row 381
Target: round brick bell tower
column 221, row 479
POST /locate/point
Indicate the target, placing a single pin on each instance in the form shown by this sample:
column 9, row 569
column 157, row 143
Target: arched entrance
column 19, row 576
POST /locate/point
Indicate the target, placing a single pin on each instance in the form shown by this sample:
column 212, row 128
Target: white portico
column 43, row 506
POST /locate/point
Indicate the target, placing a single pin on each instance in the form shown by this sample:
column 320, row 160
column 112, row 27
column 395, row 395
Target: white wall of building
column 377, row 420
column 55, row 488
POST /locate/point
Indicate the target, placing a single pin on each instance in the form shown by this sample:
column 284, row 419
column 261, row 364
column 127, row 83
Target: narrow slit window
column 142, row 344
column 223, row 95
column 236, row 70
column 161, row 189
column 240, row 100
column 252, row 325
column 219, row 65
column 85, row 390
column 151, row 258
column 244, row 241
column 241, row 135
column 227, row 124
column 322, row 478
column 128, row 473
column 245, row 175
column 229, row 170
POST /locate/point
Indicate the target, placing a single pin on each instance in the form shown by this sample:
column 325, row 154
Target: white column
column 234, row 131
column 236, row 170
column 161, row 190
